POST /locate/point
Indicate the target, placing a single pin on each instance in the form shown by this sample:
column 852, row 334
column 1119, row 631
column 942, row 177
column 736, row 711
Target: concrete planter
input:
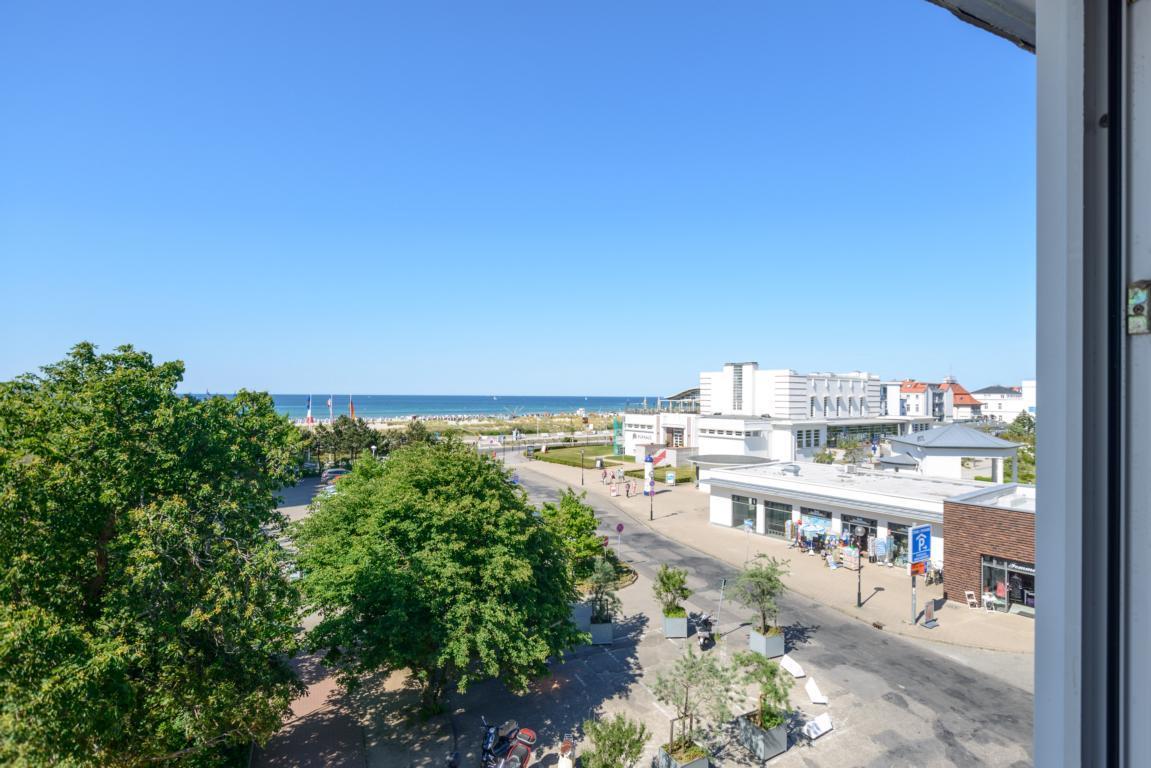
column 664, row 760
column 602, row 634
column 770, row 646
column 581, row 616
column 675, row 626
column 764, row 744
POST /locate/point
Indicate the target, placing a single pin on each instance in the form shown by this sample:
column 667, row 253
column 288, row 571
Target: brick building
column 991, row 548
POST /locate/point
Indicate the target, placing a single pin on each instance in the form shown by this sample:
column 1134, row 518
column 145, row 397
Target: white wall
column 942, row 466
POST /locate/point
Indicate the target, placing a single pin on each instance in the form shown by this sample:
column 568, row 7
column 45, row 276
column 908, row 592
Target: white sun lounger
column 792, row 666
column 813, row 729
column 814, row 693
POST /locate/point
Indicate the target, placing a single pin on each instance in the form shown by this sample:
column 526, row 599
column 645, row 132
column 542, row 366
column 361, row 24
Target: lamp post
column 859, row 569
column 581, row 466
column 373, row 451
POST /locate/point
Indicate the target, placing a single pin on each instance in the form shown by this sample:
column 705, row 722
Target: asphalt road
column 916, row 705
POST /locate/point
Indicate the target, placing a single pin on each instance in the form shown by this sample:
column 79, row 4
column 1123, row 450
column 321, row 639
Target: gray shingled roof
column 996, row 389
column 953, row 436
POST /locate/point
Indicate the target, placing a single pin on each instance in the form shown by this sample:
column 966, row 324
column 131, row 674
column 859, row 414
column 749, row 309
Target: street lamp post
column 581, row 466
column 859, row 569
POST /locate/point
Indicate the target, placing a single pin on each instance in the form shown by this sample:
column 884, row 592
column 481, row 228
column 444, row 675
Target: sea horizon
column 295, row 406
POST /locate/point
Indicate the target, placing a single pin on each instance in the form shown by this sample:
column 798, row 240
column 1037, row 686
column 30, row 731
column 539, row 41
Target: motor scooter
column 703, row 631
column 497, row 742
column 520, row 754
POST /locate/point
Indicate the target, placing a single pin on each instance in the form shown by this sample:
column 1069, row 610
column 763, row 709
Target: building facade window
column 776, row 517
column 816, row 517
column 742, row 508
column 1009, row 585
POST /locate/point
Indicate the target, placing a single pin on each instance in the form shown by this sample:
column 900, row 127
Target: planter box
column 664, row 760
column 770, row 646
column 602, row 634
column 581, row 616
column 763, row 744
column 675, row 626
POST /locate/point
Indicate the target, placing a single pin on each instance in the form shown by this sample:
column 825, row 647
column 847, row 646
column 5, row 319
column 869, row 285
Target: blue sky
column 518, row 197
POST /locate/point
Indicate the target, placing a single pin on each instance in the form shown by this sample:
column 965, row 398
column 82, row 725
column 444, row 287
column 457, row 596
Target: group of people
column 616, row 478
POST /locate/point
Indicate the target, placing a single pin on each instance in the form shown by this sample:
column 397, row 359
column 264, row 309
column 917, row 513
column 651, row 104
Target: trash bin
column 599, row 463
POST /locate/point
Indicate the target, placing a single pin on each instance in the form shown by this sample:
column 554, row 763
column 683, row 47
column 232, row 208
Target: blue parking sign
column 920, row 536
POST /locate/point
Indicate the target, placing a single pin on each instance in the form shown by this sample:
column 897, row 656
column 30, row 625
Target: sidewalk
column 681, row 513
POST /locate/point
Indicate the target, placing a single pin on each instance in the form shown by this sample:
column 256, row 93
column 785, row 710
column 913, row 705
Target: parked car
column 331, row 474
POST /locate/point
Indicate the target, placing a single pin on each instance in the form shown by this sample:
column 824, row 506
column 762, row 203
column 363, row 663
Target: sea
column 405, row 406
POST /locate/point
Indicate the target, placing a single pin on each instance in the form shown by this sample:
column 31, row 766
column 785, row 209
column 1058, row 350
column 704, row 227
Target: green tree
column 853, row 451
column 698, row 689
column 434, row 561
column 825, row 456
column 773, row 685
column 605, row 604
column 670, row 589
column 144, row 611
column 759, row 587
column 617, row 742
column 574, row 523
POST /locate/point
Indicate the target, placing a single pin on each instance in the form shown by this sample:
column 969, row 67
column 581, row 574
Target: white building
column 1005, row 403
column 940, row 452
column 947, row 400
column 776, row 414
column 836, row 498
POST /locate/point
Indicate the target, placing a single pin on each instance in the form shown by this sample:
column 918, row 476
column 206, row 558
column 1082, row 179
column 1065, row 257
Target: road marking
column 577, row 677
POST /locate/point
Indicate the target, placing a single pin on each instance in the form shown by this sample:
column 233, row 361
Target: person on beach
column 603, row 477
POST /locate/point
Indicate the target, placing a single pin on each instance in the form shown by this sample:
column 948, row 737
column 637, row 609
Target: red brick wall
column 971, row 531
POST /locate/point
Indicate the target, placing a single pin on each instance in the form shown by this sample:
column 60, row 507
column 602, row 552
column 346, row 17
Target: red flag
column 351, row 407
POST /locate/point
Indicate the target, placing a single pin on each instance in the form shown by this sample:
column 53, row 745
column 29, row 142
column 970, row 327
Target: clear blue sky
column 517, row 197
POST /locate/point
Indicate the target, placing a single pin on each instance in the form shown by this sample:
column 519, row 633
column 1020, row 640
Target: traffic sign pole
column 920, row 540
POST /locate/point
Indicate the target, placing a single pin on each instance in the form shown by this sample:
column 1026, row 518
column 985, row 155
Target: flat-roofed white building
column 835, row 498
column 779, row 414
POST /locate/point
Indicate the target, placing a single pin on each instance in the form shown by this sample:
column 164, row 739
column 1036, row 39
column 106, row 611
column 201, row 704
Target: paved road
column 914, row 705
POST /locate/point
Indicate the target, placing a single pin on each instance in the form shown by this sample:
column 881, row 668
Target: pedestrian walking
column 603, row 477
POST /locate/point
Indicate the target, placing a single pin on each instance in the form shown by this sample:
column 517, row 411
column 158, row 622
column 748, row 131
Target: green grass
column 571, row 456
column 682, row 474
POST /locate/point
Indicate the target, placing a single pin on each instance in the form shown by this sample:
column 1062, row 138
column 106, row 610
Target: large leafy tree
column 144, row 614
column 575, row 523
column 434, row 562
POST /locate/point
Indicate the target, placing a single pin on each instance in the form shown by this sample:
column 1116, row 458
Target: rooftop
column 953, row 436
column 824, row 477
column 1018, row 497
column 998, row 390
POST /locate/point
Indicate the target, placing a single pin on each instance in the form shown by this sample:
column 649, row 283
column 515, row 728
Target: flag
column 330, row 416
column 309, row 420
column 351, row 407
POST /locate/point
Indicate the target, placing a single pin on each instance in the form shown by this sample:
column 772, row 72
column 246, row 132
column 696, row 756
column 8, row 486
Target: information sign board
column 920, row 540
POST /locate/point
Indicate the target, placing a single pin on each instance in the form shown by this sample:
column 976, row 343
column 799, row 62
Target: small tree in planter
column 763, row 731
column 670, row 589
column 616, row 743
column 604, row 602
column 699, row 689
column 759, row 588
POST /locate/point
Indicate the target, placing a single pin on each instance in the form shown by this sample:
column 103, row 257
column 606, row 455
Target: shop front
column 776, row 518
column 861, row 532
column 816, row 518
column 743, row 508
column 991, row 549
column 897, row 533
column 1009, row 585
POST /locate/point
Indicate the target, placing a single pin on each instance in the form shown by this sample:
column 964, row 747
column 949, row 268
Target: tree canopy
column 144, row 611
column 759, row 587
column 574, row 522
column 435, row 562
